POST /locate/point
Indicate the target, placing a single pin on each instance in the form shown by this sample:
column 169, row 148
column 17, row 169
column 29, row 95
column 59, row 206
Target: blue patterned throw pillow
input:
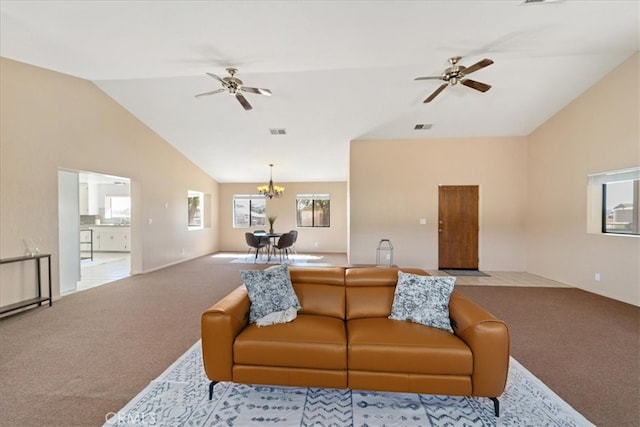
column 423, row 299
column 269, row 291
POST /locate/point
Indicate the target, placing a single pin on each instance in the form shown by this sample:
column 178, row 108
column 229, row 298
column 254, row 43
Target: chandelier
column 271, row 190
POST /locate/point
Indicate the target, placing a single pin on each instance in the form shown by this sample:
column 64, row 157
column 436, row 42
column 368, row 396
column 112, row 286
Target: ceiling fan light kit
column 271, row 190
column 455, row 74
column 234, row 86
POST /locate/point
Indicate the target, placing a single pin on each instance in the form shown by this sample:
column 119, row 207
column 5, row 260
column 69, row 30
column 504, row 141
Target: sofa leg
column 211, row 385
column 496, row 406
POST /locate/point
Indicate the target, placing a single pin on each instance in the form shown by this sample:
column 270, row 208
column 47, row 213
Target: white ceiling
column 339, row 71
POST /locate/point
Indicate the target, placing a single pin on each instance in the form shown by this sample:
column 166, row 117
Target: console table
column 39, row 299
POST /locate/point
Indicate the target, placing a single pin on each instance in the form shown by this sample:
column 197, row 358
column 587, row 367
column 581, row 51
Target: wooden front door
column 458, row 227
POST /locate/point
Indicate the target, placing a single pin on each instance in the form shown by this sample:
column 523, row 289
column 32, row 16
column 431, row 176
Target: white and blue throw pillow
column 423, row 299
column 270, row 291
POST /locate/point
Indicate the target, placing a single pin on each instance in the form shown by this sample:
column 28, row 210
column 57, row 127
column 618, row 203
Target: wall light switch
column 150, row 221
column 423, row 221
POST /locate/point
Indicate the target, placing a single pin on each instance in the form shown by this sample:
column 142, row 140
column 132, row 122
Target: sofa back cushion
column 320, row 290
column 370, row 290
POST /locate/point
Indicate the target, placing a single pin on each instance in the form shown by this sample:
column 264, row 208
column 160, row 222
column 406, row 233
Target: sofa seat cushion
column 386, row 345
column 309, row 341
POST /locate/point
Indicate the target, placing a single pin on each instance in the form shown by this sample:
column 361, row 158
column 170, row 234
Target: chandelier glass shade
column 271, row 190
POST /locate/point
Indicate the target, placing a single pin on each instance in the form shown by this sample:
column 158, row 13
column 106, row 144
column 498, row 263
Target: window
column 249, row 210
column 117, row 207
column 195, row 207
column 613, row 201
column 620, row 207
column 313, row 210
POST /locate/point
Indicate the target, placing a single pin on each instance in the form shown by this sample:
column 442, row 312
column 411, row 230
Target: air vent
column 422, row 126
column 541, row 1
column 278, row 131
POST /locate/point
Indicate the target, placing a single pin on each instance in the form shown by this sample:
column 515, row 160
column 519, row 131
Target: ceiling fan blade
column 256, row 90
column 217, row 78
column 213, row 92
column 477, row 66
column 436, row 93
column 482, row 87
column 243, row 101
column 429, row 78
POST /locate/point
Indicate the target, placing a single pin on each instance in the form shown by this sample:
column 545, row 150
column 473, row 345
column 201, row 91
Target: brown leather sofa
column 343, row 338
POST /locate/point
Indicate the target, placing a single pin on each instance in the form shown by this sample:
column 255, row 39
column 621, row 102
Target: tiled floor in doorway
column 104, row 268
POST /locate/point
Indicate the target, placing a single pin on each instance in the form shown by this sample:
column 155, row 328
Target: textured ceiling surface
column 338, row 71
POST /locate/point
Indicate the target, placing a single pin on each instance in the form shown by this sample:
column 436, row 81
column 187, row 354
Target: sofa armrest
column 488, row 338
column 220, row 325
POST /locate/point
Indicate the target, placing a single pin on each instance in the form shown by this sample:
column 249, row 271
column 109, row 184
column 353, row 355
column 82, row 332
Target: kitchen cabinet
column 111, row 239
column 88, row 198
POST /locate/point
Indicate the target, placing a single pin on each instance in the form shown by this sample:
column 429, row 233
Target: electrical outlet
column 597, row 277
column 316, row 244
column 181, row 251
column 388, row 257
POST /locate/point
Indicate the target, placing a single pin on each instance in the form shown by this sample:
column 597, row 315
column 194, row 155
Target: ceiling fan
column 456, row 74
column 234, row 86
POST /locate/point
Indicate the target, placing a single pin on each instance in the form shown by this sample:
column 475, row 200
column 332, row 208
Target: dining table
column 271, row 240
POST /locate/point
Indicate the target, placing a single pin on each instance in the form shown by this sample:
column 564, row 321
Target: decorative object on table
column 457, row 74
column 31, row 248
column 233, row 86
column 272, row 220
column 384, row 253
column 271, row 190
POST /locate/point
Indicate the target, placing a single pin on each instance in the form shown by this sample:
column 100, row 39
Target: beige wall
column 393, row 184
column 596, row 132
column 52, row 121
column 532, row 189
column 331, row 239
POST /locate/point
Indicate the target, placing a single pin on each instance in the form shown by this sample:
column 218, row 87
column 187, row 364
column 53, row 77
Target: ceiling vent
column 278, row 131
column 541, row 1
column 422, row 126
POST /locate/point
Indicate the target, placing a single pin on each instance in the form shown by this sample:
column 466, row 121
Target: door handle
column 439, row 230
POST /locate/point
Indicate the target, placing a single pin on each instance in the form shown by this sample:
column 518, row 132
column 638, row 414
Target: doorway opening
column 105, row 228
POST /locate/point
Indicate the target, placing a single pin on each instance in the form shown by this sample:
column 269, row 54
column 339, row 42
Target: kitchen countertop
column 104, row 225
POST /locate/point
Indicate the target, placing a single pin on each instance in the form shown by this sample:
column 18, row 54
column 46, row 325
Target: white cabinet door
column 111, row 239
column 83, row 194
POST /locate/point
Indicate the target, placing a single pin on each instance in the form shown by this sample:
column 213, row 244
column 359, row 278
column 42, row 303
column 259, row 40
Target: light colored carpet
column 179, row 397
column 263, row 259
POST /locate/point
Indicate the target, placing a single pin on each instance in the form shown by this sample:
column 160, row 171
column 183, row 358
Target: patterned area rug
column 179, row 397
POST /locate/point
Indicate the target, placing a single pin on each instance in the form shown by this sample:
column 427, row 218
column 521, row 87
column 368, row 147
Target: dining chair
column 254, row 242
column 284, row 245
column 265, row 238
column 295, row 239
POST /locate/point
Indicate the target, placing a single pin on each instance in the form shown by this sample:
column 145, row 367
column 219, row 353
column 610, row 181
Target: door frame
column 68, row 231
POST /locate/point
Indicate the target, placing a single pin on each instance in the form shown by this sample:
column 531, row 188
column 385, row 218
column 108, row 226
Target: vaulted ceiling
column 338, row 70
